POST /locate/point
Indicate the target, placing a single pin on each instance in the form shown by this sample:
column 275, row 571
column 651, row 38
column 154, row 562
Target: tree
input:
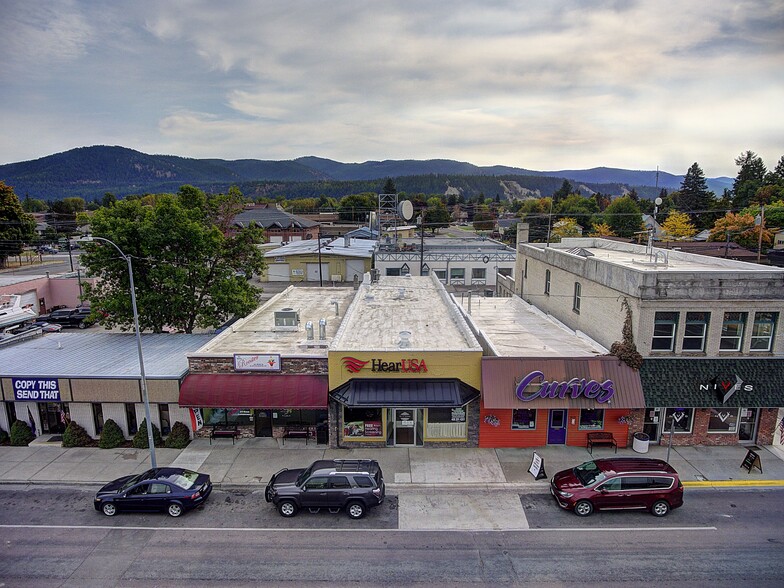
column 563, row 192
column 624, row 217
column 483, row 218
column 749, row 179
column 436, row 216
column 356, row 207
column 17, row 228
column 389, row 187
column 740, row 229
column 576, row 206
column 34, row 205
column 565, row 227
column 184, row 266
column 678, row 227
column 602, row 230
column 108, row 200
column 694, row 196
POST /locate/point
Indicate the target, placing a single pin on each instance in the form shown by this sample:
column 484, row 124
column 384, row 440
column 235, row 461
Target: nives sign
column 541, row 388
column 411, row 366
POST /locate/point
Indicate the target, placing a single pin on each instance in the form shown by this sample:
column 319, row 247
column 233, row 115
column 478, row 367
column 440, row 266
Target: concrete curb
column 731, row 483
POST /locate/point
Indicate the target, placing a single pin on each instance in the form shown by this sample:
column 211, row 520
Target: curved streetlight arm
column 145, row 395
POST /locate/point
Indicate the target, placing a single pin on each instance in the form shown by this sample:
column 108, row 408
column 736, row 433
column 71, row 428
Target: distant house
column 319, row 260
column 279, row 226
column 778, row 239
column 651, row 223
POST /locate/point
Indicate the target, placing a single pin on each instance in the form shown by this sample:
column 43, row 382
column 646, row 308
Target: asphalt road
column 54, row 537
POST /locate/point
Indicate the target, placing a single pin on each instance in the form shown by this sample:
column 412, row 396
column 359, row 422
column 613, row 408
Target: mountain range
column 90, row 172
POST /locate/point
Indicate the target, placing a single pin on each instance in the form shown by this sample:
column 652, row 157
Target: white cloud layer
column 535, row 84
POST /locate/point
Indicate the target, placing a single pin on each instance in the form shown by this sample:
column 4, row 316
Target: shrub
column 179, row 437
column 21, row 434
column 140, row 438
column 3, row 437
column 76, row 436
column 111, row 435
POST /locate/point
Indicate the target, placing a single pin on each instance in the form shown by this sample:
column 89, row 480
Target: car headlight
column 564, row 493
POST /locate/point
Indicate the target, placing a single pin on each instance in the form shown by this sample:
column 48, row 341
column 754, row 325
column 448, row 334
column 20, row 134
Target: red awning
column 254, row 391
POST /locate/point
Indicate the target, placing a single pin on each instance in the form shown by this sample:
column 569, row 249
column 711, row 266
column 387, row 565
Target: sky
column 536, row 84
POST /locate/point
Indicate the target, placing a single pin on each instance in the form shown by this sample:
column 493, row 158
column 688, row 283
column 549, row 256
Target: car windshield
column 589, row 473
column 185, row 480
column 304, row 475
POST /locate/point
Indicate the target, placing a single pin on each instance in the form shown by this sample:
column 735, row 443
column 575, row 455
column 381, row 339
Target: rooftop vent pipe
column 309, row 330
column 405, row 339
column 322, row 329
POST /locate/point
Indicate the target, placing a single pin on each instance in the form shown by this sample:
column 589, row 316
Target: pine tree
column 749, row 179
column 694, row 196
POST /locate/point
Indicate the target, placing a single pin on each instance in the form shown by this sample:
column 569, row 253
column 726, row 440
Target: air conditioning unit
column 337, row 278
column 286, row 319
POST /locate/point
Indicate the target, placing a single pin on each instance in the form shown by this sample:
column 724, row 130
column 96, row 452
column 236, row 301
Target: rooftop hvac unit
column 286, row 319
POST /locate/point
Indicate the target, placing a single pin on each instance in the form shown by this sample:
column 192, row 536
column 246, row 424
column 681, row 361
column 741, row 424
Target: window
column 130, row 416
column 339, row 482
column 317, row 483
column 440, row 274
column 163, row 413
column 363, row 481
column 523, row 419
column 446, row 423
column 547, row 282
column 159, row 488
column 478, row 273
column 505, row 271
column 664, row 326
column 226, row 416
column 695, row 331
column 723, row 420
column 732, row 331
column 763, row 330
column 393, row 271
column 611, row 485
column 635, row 483
column 577, row 292
column 456, row 274
column 362, row 422
column 682, row 418
column 525, row 269
column 591, row 419
column 98, row 417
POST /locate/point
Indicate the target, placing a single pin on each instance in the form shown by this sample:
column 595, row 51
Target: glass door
column 747, row 427
column 651, row 425
column 405, row 427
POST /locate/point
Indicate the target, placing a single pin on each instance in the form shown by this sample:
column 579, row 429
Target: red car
column 621, row 483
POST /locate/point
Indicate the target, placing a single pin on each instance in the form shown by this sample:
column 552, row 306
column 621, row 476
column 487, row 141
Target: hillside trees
column 183, row 264
column 16, row 227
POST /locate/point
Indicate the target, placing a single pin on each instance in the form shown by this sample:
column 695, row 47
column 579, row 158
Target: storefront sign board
column 257, row 362
column 600, row 391
column 36, row 389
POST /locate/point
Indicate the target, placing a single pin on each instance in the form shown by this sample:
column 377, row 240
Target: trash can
column 640, row 442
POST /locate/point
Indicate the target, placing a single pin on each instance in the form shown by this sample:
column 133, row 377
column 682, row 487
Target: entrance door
column 556, row 432
column 405, row 421
column 263, row 423
column 652, row 423
column 747, row 428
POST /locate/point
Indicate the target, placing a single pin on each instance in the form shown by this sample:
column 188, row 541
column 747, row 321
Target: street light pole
column 145, row 395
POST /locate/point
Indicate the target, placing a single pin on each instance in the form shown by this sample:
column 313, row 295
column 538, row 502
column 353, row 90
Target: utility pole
column 761, row 219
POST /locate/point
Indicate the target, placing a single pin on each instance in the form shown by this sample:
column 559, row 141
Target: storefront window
column 297, row 416
column 227, row 416
column 591, row 419
column 165, row 420
column 130, row 416
column 446, row 423
column 723, row 420
column 362, row 422
column 523, row 419
column 682, row 417
column 98, row 417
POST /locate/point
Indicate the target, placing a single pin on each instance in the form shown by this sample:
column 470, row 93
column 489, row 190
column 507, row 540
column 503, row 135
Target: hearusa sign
column 541, row 388
column 36, row 389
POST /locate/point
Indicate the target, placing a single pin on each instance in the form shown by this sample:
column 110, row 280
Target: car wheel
column 583, row 508
column 175, row 509
column 287, row 508
column 82, row 325
column 355, row 510
column 109, row 509
column 660, row 508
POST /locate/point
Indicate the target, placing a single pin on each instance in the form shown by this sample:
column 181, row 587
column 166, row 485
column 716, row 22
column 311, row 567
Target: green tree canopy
column 694, row 197
column 749, row 179
column 17, row 228
column 357, row 207
column 183, row 264
column 624, row 217
column 34, row 205
column 436, row 216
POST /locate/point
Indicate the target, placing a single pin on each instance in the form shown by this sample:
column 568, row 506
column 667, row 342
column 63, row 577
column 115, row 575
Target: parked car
column 355, row 485
column 174, row 490
column 43, row 325
column 47, row 249
column 620, row 483
column 70, row 317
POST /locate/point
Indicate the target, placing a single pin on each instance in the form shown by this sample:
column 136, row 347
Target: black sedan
column 174, row 490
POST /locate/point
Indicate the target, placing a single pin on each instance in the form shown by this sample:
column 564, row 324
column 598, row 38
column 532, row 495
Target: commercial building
column 90, row 377
column 320, row 260
column 266, row 374
column 404, row 368
column 707, row 328
column 543, row 384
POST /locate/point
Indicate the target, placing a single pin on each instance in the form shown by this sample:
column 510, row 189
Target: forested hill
column 90, row 172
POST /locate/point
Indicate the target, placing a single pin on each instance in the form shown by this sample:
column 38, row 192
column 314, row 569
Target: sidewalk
column 251, row 462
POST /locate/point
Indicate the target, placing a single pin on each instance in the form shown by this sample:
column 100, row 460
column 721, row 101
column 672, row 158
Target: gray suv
column 351, row 484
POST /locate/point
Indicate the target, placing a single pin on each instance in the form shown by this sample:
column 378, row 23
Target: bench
column 601, row 438
column 296, row 432
column 224, row 431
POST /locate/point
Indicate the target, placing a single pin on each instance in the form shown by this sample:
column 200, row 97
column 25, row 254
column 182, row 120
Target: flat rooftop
column 257, row 332
column 639, row 258
column 419, row 306
column 514, row 328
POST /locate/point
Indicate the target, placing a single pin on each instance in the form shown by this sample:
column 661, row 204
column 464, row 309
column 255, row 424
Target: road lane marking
column 350, row 530
column 731, row 483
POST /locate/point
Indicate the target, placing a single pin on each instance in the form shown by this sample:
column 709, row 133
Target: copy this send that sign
column 36, row 389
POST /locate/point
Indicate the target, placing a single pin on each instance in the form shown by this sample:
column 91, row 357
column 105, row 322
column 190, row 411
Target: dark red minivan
column 620, row 483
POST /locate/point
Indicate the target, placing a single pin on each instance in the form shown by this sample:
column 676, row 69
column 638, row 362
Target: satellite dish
column 405, row 209
column 658, row 201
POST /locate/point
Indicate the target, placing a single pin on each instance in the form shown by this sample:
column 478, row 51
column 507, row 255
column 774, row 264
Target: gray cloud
column 537, row 84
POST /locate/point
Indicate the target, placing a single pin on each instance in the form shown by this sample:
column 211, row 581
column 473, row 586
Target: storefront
column 711, row 401
column 532, row 402
column 416, row 399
